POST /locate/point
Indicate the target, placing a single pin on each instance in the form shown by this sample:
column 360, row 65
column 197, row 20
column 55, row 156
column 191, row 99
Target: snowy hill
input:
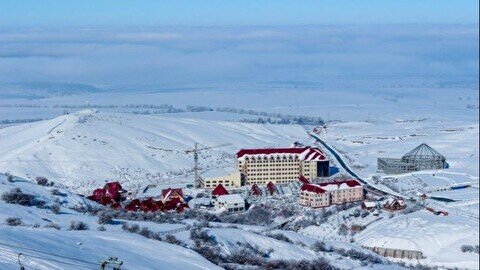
column 85, row 149
column 47, row 243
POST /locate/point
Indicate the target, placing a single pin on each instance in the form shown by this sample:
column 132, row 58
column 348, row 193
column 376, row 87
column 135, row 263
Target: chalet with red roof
column 114, row 191
column 271, row 188
column 133, row 206
column 255, row 190
column 219, row 191
column 171, row 194
column 394, row 204
column 328, row 193
column 281, row 165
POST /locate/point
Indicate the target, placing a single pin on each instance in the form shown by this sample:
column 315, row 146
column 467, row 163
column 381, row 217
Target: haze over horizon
column 185, row 43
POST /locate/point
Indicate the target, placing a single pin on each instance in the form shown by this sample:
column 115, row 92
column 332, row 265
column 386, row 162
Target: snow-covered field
column 363, row 142
column 85, row 149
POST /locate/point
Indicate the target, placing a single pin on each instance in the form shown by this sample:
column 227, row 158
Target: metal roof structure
column 423, row 151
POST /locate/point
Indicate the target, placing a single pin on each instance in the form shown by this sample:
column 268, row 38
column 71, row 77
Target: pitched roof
column 255, row 190
column 304, row 153
column 231, row 198
column 312, row 188
column 169, row 191
column 393, row 201
column 369, row 204
column 303, row 179
column 220, row 190
column 423, row 151
column 343, row 184
column 113, row 186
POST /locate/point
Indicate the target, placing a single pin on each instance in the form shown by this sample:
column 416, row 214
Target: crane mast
column 196, row 168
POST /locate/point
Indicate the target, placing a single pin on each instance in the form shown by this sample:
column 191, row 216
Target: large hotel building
column 280, row 165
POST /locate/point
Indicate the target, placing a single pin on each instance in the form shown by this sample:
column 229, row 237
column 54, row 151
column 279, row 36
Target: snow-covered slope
column 135, row 251
column 85, row 149
column 45, row 247
column 438, row 237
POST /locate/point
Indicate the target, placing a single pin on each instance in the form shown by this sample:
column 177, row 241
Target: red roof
column 220, row 190
column 269, row 151
column 349, row 182
column 255, row 190
column 165, row 192
column 149, row 205
column 134, row 205
column 307, row 152
column 113, row 186
column 312, row 188
column 172, row 204
column 303, row 179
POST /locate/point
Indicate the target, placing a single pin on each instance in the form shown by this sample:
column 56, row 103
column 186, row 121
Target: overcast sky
column 188, row 42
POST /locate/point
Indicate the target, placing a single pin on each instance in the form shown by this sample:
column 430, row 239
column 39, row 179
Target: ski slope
column 87, row 148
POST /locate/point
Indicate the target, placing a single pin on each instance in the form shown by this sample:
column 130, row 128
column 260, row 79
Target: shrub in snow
column 356, row 213
column 280, row 236
column 57, row 192
column 36, row 225
column 245, row 256
column 52, row 225
column 55, row 208
column 365, row 214
column 202, row 236
column 170, row 238
column 134, row 228
column 42, row 181
column 359, row 255
column 78, row 226
column 469, row 248
column 16, row 196
column 200, row 215
column 317, row 264
column 145, row 232
column 104, row 217
column 101, row 228
column 9, row 177
column 320, row 246
column 211, row 253
column 13, row 221
column 343, row 229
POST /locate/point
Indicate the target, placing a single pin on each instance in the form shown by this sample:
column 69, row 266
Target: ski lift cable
column 48, row 253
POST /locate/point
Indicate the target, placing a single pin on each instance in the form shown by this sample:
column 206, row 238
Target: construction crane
column 195, row 150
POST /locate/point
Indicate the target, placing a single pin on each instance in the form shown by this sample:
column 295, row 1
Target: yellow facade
column 231, row 180
column 279, row 169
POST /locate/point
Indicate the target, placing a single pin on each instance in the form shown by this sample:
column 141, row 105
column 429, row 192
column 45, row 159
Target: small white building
column 231, row 202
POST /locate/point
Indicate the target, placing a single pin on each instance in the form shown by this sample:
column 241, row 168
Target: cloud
column 186, row 55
